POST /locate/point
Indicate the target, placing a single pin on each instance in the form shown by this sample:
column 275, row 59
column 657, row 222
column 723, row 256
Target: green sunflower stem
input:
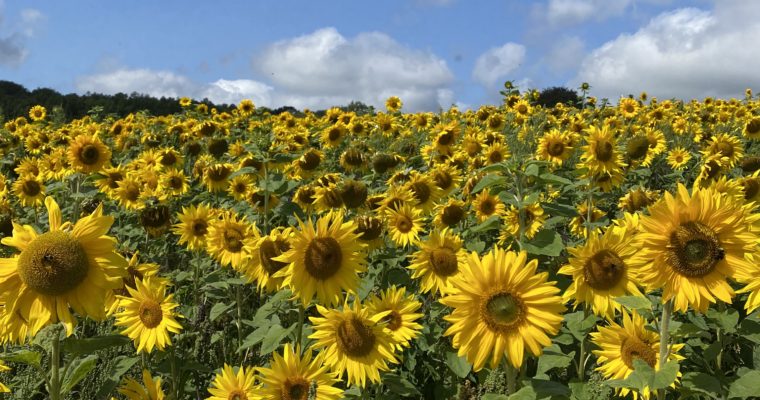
column 299, row 327
column 239, row 306
column 582, row 351
column 55, row 358
column 511, row 377
column 667, row 310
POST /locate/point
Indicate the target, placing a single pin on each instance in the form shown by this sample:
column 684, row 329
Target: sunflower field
column 605, row 250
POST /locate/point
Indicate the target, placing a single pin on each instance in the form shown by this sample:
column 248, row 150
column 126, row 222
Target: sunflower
column 228, row 385
column 292, row 377
column 446, row 177
column 174, row 182
column 216, row 177
column 501, row 305
column 601, row 155
column 230, row 240
column 554, row 147
column 88, row 154
column 354, row 341
column 620, row 345
column 4, row 368
column 65, row 267
column 404, row 225
column 678, row 158
column 728, row 147
column 333, row 136
column 691, row 244
column 325, row 260
column 578, row 225
column 148, row 315
column 601, row 273
column 37, row 113
column 401, row 320
column 133, row 390
column 752, row 128
column 750, row 186
column 496, row 153
column 486, row 205
column 440, row 258
column 29, row 190
column 129, row 193
column 628, row 107
column 371, row 231
column 240, row 186
column 637, row 199
column 135, row 271
column 530, row 218
column 263, row 266
column 424, row 191
column 393, row 104
column 449, row 214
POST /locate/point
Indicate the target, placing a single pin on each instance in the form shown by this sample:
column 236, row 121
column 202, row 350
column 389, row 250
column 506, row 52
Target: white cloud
column 144, row 81
column 566, row 53
column 232, row 91
column 497, row 63
column 685, row 53
column 13, row 51
column 573, row 12
column 324, row 69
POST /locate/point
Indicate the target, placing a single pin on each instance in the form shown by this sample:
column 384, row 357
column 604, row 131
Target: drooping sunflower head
column 370, row 230
column 637, row 199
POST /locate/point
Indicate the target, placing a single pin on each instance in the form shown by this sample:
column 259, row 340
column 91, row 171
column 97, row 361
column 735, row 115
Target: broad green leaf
column 254, row 338
column 727, row 319
column 401, row 386
column 554, row 179
column 457, row 364
column 553, row 357
column 218, row 309
column 494, row 396
column 747, row 386
column 488, row 181
column 559, row 209
column 702, row 382
column 77, row 371
column 93, row 344
column 490, row 223
column 547, row 388
column 546, row 242
column 580, row 325
column 274, row 337
column 634, row 302
column 29, row 357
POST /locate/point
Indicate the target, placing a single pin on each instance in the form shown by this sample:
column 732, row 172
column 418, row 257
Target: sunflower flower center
column 150, row 313
column 355, row 338
column 404, row 224
column 31, row 188
column 495, row 157
column 421, row 192
column 694, row 250
column 487, row 207
column 369, row 228
column 393, row 320
column 53, row 263
column 89, row 154
column 324, row 257
column 200, row 228
column 556, row 149
column 725, row 149
column 444, row 261
column 751, row 188
column 295, row 388
column 502, row 311
column 309, row 161
column 452, row 214
column 270, row 249
column 633, row 347
column 237, row 394
column 638, row 147
column 604, row 151
column 233, row 240
column 604, row 270
column 443, row 180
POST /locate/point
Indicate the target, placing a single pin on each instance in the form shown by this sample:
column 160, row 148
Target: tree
column 549, row 97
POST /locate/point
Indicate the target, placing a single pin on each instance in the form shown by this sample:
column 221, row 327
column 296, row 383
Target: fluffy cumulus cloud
column 144, row 81
column 13, row 39
column 324, row 68
column 685, row 53
column 497, row 63
column 571, row 12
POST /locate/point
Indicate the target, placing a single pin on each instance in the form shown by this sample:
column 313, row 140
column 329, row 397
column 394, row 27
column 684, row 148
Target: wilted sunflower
column 148, row 315
column 486, row 205
column 620, row 345
column 230, row 240
column 404, row 225
column 554, row 147
column 324, row 260
column 354, row 341
column 64, row 267
column 501, row 305
column 678, row 158
column 88, row 154
column 601, row 273
column 29, row 190
column 691, row 244
column 637, row 199
column 292, row 376
column 401, row 320
column 229, row 385
column 263, row 266
column 133, row 390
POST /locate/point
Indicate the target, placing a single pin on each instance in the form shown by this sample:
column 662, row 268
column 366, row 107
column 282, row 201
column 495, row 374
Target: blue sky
column 431, row 53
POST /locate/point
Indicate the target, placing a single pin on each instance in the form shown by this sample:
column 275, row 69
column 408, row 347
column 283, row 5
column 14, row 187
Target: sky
column 430, row 53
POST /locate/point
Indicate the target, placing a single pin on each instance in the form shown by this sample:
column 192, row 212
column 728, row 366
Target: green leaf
column 115, row 372
column 554, row 357
column 727, row 319
column 93, row 344
column 218, row 309
column 241, row 171
column 29, row 357
column 551, row 178
column 634, row 302
column 253, row 338
column 457, row 364
column 532, row 170
column 400, row 386
column 525, row 393
column 665, row 376
column 494, row 396
column 578, row 325
column 748, row 385
column 78, row 369
column 750, row 330
column 274, row 337
column 701, row 382
column 491, row 223
column 559, row 209
column 547, row 388
column 546, row 242
column 488, row 181
column 644, row 376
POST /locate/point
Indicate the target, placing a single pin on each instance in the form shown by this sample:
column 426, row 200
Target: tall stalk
column 667, row 310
